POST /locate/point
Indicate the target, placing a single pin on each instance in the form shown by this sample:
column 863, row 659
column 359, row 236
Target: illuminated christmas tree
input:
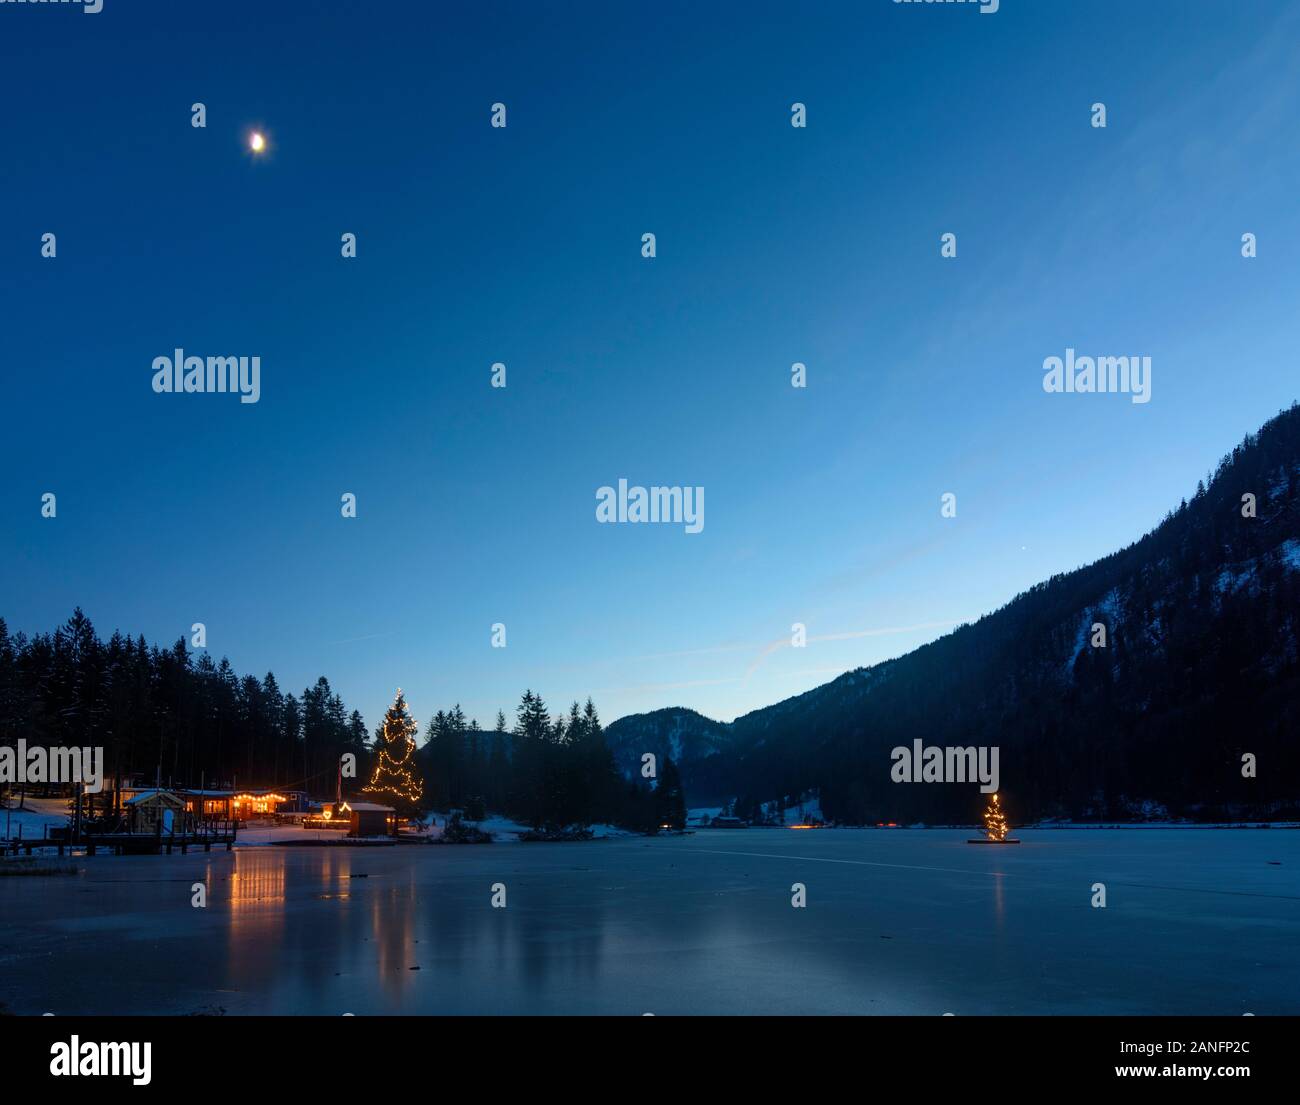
column 995, row 821
column 396, row 775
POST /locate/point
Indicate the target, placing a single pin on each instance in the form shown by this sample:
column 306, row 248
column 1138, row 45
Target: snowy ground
column 1196, row 921
column 53, row 812
column 40, row 812
column 265, row 833
column 32, row 820
column 801, row 813
column 504, row 830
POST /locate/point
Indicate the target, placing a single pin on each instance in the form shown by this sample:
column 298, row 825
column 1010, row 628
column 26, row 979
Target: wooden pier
column 206, row 835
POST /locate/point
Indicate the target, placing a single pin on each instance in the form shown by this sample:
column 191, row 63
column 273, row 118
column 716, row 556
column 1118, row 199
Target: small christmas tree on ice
column 396, row 776
column 995, row 825
column 995, row 821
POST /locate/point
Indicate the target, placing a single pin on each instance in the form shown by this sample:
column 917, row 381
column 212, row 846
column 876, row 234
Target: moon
column 257, row 141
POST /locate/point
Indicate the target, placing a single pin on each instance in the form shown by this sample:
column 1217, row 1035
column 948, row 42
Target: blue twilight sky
column 522, row 245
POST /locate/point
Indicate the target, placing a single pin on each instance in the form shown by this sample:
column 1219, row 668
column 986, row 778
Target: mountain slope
column 1199, row 668
column 689, row 738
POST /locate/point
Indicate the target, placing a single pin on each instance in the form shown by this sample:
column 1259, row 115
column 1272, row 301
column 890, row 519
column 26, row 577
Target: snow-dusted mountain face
column 1196, row 672
column 694, row 742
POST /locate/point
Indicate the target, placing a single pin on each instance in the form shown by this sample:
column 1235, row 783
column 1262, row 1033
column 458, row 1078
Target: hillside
column 1200, row 666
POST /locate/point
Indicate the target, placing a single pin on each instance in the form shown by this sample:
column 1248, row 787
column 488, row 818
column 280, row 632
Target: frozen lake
column 897, row 921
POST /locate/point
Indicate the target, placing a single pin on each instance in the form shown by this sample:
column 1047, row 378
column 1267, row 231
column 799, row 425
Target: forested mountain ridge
column 676, row 733
column 1199, row 667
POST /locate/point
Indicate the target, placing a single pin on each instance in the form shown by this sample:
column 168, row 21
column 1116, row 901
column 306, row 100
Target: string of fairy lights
column 995, row 821
column 392, row 773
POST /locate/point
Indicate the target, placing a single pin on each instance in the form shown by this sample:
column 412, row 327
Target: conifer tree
column 396, row 776
column 670, row 802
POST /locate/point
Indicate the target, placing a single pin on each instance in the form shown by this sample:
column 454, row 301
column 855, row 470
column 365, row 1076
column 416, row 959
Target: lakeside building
column 369, row 818
column 150, row 811
column 225, row 805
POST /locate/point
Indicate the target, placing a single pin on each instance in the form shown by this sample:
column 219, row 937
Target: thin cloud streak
column 784, row 642
column 768, row 649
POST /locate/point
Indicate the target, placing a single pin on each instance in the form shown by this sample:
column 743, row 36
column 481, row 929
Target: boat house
column 153, row 811
column 370, row 818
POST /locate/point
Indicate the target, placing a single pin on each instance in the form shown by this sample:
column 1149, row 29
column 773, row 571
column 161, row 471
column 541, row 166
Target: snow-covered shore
column 31, row 821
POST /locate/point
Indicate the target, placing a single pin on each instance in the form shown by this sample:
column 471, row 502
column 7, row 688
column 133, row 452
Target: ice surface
column 1198, row 921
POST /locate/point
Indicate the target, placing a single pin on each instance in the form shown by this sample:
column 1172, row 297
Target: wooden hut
column 370, row 818
column 151, row 811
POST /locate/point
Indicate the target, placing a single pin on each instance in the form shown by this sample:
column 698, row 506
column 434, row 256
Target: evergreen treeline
column 171, row 713
column 548, row 772
column 185, row 719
